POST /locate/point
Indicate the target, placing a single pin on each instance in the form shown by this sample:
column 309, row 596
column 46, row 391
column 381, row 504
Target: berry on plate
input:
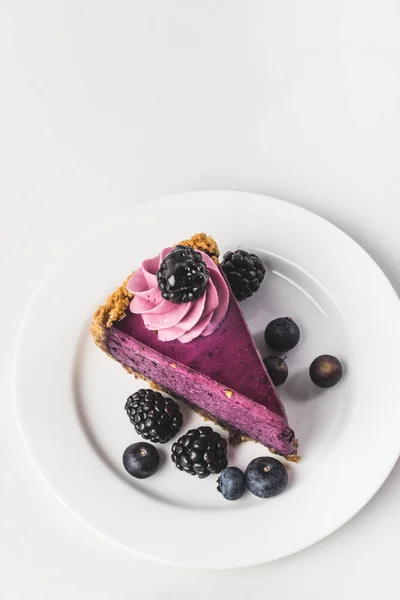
column 141, row 460
column 154, row 417
column 266, row 477
column 326, row 371
column 277, row 369
column 282, row 334
column 200, row 452
column 231, row 483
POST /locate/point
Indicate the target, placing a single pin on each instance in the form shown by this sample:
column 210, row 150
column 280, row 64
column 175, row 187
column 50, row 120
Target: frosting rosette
column 184, row 322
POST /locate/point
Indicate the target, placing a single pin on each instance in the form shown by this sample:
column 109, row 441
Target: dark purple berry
column 244, row 272
column 266, row 477
column 326, row 371
column 141, row 460
column 200, row 452
column 231, row 483
column 182, row 276
column 155, row 417
column 277, row 369
column 282, row 334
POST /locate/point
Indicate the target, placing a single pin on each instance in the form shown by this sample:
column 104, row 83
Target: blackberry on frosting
column 183, row 321
column 182, row 276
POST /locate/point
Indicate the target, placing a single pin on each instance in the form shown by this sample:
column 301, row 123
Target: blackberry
column 182, row 276
column 244, row 271
column 154, row 417
column 200, row 452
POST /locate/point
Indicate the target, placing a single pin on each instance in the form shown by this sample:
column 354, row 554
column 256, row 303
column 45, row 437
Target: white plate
column 70, row 396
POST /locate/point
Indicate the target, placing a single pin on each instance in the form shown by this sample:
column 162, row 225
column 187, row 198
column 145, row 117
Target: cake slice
column 199, row 351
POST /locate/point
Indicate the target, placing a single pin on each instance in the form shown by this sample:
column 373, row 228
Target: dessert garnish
column 282, row 334
column 326, row 371
column 141, row 460
column 195, row 308
column 155, row 417
column 182, row 275
column 200, row 452
column 266, row 477
column 277, row 369
column 231, row 484
column 244, row 271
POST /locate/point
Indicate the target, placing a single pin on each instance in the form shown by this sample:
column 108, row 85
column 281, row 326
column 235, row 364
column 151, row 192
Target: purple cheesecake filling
column 228, row 356
column 222, row 375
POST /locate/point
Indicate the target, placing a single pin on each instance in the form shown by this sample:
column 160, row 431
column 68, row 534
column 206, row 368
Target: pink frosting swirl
column 183, row 322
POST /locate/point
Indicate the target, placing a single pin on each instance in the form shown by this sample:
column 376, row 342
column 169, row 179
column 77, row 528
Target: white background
column 107, row 103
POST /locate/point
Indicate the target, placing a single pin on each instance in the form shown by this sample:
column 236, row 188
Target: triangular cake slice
column 220, row 375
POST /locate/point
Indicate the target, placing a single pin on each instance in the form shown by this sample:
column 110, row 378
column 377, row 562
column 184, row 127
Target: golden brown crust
column 236, row 438
column 295, row 458
column 205, row 243
column 113, row 310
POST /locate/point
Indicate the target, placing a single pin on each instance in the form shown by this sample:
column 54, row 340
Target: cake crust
column 114, row 309
column 205, row 243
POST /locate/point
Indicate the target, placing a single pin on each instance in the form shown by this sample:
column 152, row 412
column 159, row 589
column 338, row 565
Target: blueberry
column 282, row 334
column 231, row 483
column 266, row 477
column 326, row 371
column 277, row 369
column 141, row 460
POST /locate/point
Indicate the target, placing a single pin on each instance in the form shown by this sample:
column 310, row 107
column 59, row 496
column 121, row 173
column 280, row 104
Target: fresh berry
column 141, row 460
column 326, row 371
column 154, row 417
column 282, row 334
column 244, row 271
column 231, row 483
column 200, row 452
column 277, row 369
column 182, row 276
column 266, row 477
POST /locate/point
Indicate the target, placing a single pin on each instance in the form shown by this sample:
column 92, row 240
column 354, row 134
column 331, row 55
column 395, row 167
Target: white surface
column 105, row 103
column 86, row 430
